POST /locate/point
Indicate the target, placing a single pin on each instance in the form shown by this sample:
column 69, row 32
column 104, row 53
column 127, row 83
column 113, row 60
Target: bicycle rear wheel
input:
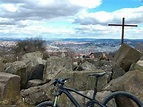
column 47, row 104
column 122, row 99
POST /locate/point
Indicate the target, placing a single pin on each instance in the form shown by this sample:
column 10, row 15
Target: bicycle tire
column 134, row 101
column 47, row 104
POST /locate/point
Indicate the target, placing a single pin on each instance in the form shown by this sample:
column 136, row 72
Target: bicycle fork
column 55, row 101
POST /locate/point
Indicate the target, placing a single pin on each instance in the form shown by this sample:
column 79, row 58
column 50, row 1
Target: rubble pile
column 26, row 83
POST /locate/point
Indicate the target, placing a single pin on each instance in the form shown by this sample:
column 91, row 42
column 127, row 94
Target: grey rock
column 9, row 87
column 81, row 81
column 131, row 81
column 34, row 95
column 55, row 65
column 125, row 56
column 28, row 56
column 18, row 68
column 34, row 82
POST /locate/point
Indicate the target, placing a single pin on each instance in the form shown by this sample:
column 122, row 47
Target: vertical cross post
column 123, row 25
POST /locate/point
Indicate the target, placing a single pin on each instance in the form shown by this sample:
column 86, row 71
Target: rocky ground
column 26, row 83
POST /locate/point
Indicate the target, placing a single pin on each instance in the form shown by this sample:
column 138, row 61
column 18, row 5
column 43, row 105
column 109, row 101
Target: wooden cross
column 123, row 25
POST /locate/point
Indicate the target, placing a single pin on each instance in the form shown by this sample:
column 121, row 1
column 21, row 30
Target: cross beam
column 123, row 25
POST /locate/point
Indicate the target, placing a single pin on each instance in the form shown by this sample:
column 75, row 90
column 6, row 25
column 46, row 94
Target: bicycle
column 59, row 84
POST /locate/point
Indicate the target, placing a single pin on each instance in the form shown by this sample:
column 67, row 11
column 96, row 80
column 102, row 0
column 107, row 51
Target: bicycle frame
column 66, row 90
column 60, row 89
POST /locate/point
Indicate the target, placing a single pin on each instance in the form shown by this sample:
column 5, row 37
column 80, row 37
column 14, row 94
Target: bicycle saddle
column 99, row 74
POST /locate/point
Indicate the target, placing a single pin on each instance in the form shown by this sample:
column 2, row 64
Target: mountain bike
column 92, row 102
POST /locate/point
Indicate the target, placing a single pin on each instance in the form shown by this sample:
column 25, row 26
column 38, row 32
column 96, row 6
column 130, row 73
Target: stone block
column 34, row 82
column 125, row 56
column 131, row 82
column 35, row 95
column 117, row 71
column 1, row 65
column 137, row 66
column 18, row 68
column 65, row 102
column 28, row 56
column 81, row 81
column 9, row 87
column 55, row 65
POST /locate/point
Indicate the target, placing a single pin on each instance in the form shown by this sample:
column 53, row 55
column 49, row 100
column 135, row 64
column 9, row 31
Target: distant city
column 92, row 45
column 83, row 46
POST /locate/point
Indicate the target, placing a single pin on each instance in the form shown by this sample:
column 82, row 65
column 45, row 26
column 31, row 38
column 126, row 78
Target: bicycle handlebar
column 59, row 81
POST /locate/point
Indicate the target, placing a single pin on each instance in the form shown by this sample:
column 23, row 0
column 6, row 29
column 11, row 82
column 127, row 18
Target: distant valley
column 91, row 45
column 86, row 45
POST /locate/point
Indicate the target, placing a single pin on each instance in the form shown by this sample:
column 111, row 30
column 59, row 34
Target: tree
column 29, row 45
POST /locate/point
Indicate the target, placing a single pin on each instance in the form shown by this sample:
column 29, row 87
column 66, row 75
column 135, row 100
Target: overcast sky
column 70, row 18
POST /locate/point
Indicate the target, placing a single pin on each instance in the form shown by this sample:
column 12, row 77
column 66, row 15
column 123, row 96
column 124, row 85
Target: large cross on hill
column 123, row 25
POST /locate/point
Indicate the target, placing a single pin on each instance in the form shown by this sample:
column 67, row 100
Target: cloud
column 133, row 15
column 5, row 21
column 87, row 3
column 43, row 9
column 95, row 24
column 30, row 15
column 86, row 18
column 66, row 18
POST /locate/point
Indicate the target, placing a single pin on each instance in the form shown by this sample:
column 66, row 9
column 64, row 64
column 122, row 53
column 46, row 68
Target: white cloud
column 9, row 7
column 43, row 17
column 45, row 3
column 86, row 3
column 133, row 15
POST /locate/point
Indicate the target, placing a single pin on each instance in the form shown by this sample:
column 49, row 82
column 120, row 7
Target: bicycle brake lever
column 63, row 80
column 54, row 82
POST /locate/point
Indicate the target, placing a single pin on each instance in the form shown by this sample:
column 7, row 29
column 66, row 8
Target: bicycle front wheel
column 47, row 104
column 122, row 99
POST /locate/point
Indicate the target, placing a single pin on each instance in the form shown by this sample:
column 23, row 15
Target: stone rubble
column 29, row 79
